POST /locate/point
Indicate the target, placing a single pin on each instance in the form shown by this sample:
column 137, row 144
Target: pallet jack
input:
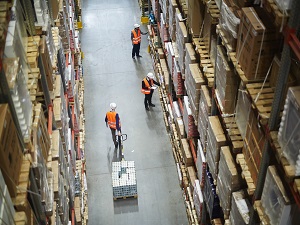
column 123, row 174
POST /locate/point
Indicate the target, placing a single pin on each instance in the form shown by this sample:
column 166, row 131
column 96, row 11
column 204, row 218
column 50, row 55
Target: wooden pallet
column 234, row 134
column 246, row 175
column 125, row 197
column 205, row 61
column 264, row 219
column 239, row 70
column 280, row 18
column 289, row 169
column 262, row 96
column 213, row 10
column 225, row 42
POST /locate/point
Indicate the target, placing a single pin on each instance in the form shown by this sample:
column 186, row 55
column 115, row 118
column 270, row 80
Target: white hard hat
column 113, row 106
column 136, row 25
column 150, row 75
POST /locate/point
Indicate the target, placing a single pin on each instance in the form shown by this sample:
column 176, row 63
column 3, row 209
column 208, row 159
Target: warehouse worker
column 112, row 120
column 136, row 40
column 148, row 89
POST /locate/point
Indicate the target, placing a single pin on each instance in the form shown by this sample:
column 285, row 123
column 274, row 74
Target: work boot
column 152, row 105
column 147, row 108
column 133, row 57
column 116, row 144
column 139, row 56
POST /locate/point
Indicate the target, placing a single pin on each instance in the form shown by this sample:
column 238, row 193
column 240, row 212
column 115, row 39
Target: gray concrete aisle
column 111, row 75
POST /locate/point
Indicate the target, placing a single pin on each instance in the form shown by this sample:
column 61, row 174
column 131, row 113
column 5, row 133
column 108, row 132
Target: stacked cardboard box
column 215, row 140
column 173, row 10
column 186, row 153
column 226, row 82
column 195, row 16
column 188, row 120
column 204, row 113
column 228, row 179
column 177, row 79
column 253, row 145
column 10, row 150
column 181, row 39
column 257, row 43
column 164, row 33
column 193, row 81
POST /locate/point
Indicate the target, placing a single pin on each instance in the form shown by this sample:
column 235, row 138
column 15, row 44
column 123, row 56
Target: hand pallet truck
column 123, row 174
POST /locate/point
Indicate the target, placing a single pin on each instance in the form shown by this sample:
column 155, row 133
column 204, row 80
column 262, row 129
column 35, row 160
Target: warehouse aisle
column 111, row 75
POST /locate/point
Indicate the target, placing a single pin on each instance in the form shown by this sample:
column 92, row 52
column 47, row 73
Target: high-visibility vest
column 148, row 86
column 136, row 36
column 111, row 120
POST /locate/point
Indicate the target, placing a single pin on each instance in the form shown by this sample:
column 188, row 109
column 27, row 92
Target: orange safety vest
column 148, row 90
column 111, row 120
column 136, row 37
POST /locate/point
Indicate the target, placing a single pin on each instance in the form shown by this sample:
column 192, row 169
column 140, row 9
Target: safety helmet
column 113, row 106
column 150, row 75
column 136, row 25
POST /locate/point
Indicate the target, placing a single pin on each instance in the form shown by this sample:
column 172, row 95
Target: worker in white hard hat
column 148, row 87
column 113, row 121
column 136, row 40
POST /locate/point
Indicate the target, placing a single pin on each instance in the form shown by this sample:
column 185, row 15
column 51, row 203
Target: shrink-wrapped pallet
column 240, row 206
column 198, row 199
column 289, row 131
column 188, row 120
column 201, row 164
column 228, row 179
column 193, row 81
column 204, row 113
column 181, row 39
column 226, row 82
column 274, row 198
column 215, row 140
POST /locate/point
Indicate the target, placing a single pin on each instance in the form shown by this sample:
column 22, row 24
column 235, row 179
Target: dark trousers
column 136, row 50
column 113, row 134
column 148, row 100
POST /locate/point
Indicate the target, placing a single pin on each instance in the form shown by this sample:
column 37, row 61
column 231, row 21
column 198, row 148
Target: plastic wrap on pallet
column 77, row 184
column 164, row 8
column 20, row 96
column 16, row 39
column 211, row 198
column 243, row 108
column 215, row 139
column 229, row 24
column 181, row 39
column 226, row 82
column 240, row 206
column 228, row 179
column 41, row 13
column 50, row 197
column 193, row 81
column 71, row 150
column 170, row 55
column 274, row 199
column 7, row 210
column 71, row 181
column 177, row 79
column 164, row 33
column 201, row 164
column 284, row 5
column 289, row 131
column 172, row 21
column 51, row 46
column 198, row 199
column 176, row 109
column 204, row 112
column 188, row 120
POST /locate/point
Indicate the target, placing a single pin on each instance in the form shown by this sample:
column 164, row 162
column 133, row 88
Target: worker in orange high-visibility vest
column 113, row 121
column 136, row 40
column 148, row 87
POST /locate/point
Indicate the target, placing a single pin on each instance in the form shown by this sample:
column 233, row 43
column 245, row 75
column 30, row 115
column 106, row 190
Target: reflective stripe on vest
column 136, row 37
column 148, row 86
column 111, row 120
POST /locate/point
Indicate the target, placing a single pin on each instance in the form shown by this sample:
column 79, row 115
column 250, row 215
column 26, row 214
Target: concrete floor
column 111, row 75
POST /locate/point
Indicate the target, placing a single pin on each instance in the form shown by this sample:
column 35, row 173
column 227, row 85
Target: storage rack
column 53, row 155
column 164, row 70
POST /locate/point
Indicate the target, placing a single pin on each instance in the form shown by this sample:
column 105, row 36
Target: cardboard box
column 257, row 43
